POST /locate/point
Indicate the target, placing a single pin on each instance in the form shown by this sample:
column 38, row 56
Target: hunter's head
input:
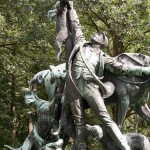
column 100, row 39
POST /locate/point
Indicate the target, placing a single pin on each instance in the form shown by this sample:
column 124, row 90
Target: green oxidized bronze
column 88, row 77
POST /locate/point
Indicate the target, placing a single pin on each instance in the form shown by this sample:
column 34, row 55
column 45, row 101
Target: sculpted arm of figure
column 77, row 33
column 120, row 69
column 146, row 71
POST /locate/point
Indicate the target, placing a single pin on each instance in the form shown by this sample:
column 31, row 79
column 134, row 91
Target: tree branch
column 9, row 44
column 147, row 31
column 95, row 25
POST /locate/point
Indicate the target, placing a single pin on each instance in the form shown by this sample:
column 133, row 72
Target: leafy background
column 27, row 47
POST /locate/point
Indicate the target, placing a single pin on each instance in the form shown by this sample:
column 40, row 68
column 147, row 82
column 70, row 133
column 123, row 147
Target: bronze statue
column 47, row 77
column 134, row 93
column 135, row 140
column 92, row 76
column 54, row 82
column 54, row 78
column 130, row 91
column 118, row 96
column 43, row 120
column 84, row 75
column 62, row 27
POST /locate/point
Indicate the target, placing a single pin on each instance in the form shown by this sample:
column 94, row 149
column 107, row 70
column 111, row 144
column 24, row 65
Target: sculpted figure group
column 89, row 77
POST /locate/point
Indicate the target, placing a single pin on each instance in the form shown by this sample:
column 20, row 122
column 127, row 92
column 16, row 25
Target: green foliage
column 27, row 47
column 125, row 23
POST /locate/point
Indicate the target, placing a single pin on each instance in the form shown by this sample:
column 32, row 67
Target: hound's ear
column 42, row 75
column 40, row 79
column 54, row 71
column 45, row 73
column 51, row 67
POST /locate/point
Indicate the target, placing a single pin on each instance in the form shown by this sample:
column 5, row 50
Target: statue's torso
column 91, row 57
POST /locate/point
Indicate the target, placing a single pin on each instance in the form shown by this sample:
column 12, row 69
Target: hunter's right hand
column 146, row 71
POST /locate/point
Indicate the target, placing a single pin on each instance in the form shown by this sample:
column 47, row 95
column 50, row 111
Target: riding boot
column 81, row 137
column 118, row 138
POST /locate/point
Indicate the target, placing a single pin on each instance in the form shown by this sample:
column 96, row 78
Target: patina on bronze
column 84, row 82
column 92, row 76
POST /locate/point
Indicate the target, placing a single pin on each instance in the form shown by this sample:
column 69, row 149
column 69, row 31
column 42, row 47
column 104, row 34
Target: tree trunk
column 117, row 45
column 13, row 108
